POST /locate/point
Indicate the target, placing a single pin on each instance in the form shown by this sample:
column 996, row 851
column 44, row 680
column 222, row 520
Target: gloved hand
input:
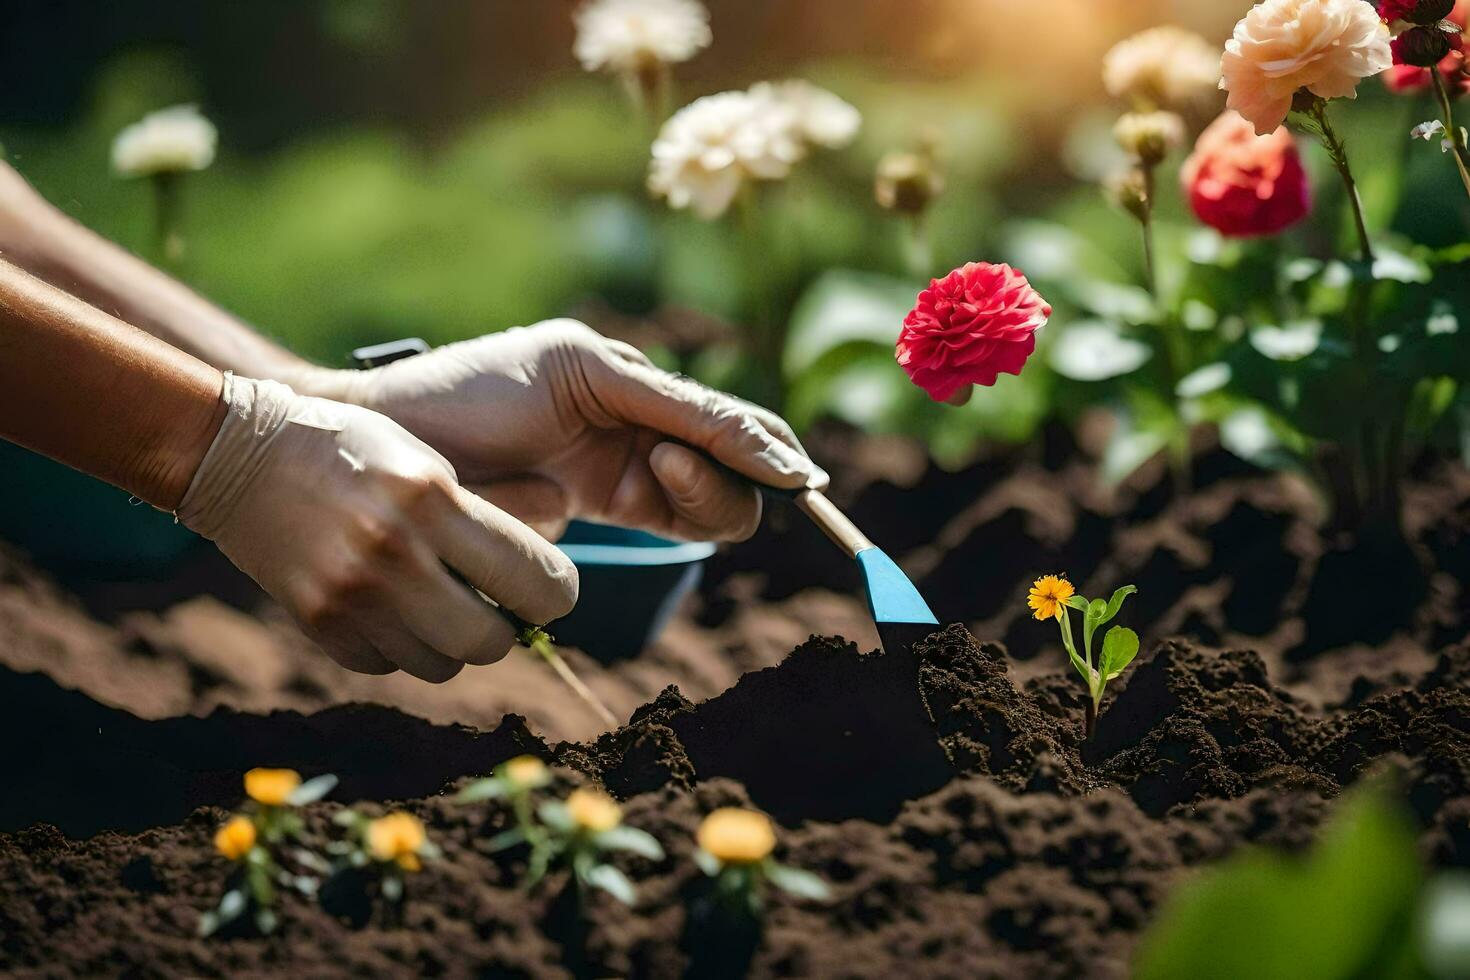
column 555, row 421
column 348, row 521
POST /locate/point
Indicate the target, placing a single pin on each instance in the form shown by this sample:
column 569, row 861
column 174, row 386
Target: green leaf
column 794, row 881
column 1081, row 666
column 488, row 788
column 1344, row 911
column 707, row 862
column 1078, row 602
column 1120, row 646
column 505, row 839
column 844, row 306
column 312, row 790
column 1116, row 602
column 612, row 881
column 555, row 815
column 625, row 838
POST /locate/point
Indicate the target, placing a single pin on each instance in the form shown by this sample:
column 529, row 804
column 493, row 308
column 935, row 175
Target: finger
column 505, row 559
column 348, row 648
column 529, row 499
column 388, row 635
column 779, row 428
column 448, row 616
column 707, row 504
column 710, row 420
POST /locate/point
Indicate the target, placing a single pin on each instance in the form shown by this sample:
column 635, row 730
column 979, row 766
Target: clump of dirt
column 963, row 825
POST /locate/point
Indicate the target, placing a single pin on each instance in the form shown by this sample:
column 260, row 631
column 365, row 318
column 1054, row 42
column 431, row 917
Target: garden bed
column 948, row 797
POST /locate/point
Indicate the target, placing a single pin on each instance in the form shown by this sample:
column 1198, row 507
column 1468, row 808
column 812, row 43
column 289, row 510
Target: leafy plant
column 387, row 849
column 255, row 841
column 576, row 833
column 1051, row 596
column 1344, row 910
column 735, row 848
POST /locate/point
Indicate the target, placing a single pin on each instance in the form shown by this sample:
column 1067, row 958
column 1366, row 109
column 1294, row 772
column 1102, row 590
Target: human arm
column 341, row 515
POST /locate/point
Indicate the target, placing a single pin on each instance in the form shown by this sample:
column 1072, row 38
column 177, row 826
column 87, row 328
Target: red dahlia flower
column 976, row 323
column 1392, row 10
column 1242, row 184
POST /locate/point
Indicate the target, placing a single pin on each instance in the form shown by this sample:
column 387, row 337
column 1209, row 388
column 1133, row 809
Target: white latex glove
column 555, row 421
column 348, row 521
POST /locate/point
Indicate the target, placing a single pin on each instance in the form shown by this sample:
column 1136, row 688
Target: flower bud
column 1149, row 136
column 236, row 838
column 271, row 787
column 1422, row 47
column 593, row 811
column 1430, row 11
column 1128, row 190
column 737, row 836
column 907, row 182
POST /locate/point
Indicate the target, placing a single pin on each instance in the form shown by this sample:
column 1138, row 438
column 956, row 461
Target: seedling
column 735, row 848
column 388, row 849
column 536, row 638
column 575, row 833
column 254, row 840
column 1051, row 597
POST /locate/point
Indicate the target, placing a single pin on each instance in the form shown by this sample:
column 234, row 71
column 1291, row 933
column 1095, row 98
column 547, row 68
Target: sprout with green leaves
column 735, row 846
column 1051, row 596
column 255, row 841
column 384, row 849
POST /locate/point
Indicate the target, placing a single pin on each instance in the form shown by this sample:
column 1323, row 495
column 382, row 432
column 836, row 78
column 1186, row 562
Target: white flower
column 1163, row 67
column 630, row 35
column 819, row 116
column 1094, row 350
column 1202, row 381
column 170, row 140
column 709, row 149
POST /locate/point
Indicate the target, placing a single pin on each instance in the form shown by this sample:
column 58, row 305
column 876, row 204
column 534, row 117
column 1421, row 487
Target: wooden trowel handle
column 843, row 532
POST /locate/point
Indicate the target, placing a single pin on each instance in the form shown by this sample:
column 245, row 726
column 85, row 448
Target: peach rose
column 1282, row 46
column 1242, row 184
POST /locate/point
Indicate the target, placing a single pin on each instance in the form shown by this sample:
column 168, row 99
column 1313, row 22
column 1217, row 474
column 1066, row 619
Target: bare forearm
column 51, row 246
column 99, row 395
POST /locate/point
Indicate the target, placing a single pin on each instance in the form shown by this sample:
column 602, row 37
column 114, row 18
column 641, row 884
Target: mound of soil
column 963, row 825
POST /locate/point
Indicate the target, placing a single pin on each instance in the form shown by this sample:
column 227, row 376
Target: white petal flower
column 1095, row 351
column 1202, row 381
column 630, row 35
column 820, row 117
column 708, row 150
column 170, row 140
column 1163, row 67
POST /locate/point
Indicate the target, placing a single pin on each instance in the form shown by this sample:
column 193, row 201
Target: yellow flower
column 737, row 836
column 271, row 787
column 235, row 839
column 398, row 837
column 1048, row 595
column 1283, row 46
column 594, row 810
column 526, row 772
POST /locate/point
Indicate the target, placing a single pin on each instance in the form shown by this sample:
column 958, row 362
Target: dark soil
column 946, row 794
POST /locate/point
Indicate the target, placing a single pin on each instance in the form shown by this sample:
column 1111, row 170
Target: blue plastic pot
column 631, row 584
column 67, row 521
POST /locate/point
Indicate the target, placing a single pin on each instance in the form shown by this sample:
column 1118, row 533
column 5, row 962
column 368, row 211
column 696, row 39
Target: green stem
column 919, row 248
column 1452, row 133
column 1337, row 150
column 1174, row 352
column 168, row 236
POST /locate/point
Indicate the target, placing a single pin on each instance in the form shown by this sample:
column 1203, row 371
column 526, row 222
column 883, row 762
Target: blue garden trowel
column 902, row 616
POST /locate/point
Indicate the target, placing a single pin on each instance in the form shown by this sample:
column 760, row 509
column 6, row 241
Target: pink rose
column 976, row 323
column 1242, row 184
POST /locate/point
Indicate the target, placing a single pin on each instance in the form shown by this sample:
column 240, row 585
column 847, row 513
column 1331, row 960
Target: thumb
column 749, row 440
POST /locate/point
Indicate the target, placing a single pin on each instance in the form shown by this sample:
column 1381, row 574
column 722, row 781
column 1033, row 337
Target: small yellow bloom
column 526, row 772
column 1048, row 595
column 271, row 787
column 594, row 810
column 235, row 839
column 737, row 836
column 398, row 837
